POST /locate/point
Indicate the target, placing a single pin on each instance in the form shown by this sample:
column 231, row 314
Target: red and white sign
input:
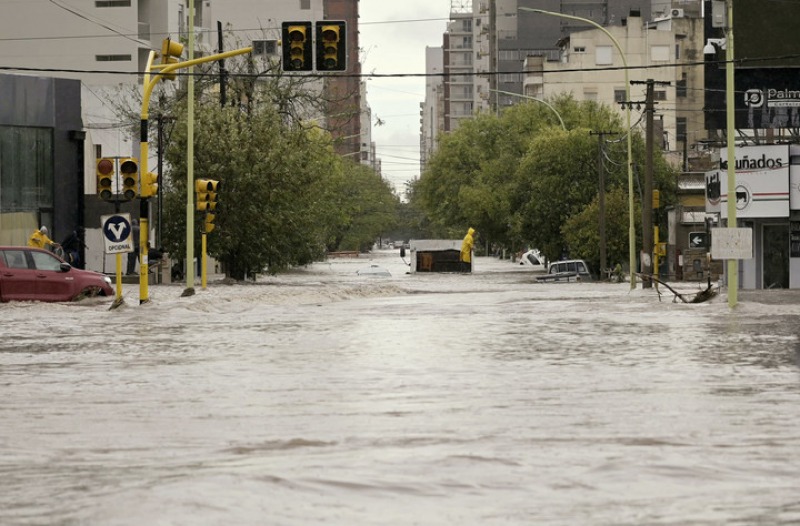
column 762, row 181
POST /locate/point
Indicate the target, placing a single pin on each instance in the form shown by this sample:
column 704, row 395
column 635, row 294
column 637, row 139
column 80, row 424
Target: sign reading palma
column 762, row 181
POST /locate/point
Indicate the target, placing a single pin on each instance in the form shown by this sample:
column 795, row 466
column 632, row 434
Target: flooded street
column 324, row 396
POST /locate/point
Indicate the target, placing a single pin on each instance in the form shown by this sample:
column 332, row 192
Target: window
column 305, row 4
column 603, row 56
column 680, row 88
column 619, row 95
column 680, row 128
column 112, row 58
column 45, row 261
column 579, row 49
column 112, row 3
column 15, row 259
column 659, row 53
column 26, row 169
column 659, row 95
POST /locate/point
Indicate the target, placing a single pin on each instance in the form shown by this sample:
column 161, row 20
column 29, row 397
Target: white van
column 569, row 270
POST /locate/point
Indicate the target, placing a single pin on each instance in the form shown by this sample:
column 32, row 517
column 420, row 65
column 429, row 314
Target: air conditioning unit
column 677, row 13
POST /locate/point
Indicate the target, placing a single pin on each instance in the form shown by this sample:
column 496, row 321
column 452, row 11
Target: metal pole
column 537, row 100
column 632, row 224
column 189, row 290
column 733, row 264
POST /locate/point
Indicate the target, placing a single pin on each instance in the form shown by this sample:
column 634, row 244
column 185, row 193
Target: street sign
column 698, row 239
column 117, row 233
column 732, row 243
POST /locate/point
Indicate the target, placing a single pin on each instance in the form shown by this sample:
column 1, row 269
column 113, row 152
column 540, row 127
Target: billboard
column 767, row 67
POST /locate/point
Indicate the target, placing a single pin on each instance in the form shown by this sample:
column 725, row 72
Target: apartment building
column 105, row 44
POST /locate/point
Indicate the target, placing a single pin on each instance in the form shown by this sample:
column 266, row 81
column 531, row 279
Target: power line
column 419, row 75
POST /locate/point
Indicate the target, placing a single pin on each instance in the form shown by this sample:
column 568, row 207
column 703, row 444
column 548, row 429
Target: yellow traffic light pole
column 160, row 71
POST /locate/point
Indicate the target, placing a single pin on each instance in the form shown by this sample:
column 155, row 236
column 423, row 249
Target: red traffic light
column 105, row 167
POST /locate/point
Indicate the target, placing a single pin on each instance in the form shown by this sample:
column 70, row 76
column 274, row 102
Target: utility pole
column 648, row 245
column 495, row 106
column 223, row 74
column 601, row 199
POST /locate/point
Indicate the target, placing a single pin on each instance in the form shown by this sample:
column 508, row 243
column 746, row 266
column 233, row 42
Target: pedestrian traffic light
column 209, row 222
column 206, row 190
column 171, row 52
column 105, row 178
column 149, row 184
column 129, row 171
column 296, row 42
column 331, row 46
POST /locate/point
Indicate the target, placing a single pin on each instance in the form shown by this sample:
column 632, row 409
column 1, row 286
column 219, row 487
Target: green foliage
column 367, row 208
column 285, row 197
column 582, row 236
column 518, row 178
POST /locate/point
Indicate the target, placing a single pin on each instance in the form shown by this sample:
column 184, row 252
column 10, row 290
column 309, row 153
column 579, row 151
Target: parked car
column 34, row 274
column 569, row 270
column 534, row 260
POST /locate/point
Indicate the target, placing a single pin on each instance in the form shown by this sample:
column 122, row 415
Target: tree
column 581, row 234
column 521, row 176
column 272, row 210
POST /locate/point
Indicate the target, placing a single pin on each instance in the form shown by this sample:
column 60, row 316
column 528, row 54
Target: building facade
column 105, row 46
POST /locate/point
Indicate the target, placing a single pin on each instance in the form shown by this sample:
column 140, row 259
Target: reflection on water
column 322, row 396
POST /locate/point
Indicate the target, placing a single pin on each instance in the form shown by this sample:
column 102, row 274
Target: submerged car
column 569, row 270
column 533, row 259
column 34, row 274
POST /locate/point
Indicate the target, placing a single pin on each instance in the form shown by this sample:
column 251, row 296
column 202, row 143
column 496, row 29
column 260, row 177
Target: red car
column 33, row 274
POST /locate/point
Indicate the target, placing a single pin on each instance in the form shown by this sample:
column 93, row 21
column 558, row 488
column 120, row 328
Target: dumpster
column 435, row 255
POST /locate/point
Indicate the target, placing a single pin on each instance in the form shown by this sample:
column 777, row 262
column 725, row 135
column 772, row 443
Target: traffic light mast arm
column 163, row 69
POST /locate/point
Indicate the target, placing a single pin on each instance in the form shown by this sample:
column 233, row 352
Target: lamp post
column 632, row 227
column 733, row 264
column 512, row 94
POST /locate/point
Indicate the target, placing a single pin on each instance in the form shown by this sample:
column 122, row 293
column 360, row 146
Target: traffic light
column 129, row 171
column 206, row 190
column 171, row 52
column 296, row 42
column 331, row 46
column 209, row 222
column 149, row 184
column 105, row 178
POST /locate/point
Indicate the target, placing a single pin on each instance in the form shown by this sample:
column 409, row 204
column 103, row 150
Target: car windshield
column 45, row 261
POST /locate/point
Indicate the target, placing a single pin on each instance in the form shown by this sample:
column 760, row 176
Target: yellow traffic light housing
column 331, row 45
column 171, row 52
column 106, row 170
column 296, row 43
column 129, row 171
column 149, row 184
column 209, row 222
column 206, row 190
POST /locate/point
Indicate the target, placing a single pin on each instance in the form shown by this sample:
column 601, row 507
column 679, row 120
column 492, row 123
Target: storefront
column 767, row 201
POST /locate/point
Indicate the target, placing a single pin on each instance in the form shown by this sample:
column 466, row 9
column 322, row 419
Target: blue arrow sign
column 117, row 233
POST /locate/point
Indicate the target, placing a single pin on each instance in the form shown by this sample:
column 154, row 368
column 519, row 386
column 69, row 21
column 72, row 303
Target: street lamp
column 632, row 227
column 711, row 47
column 537, row 100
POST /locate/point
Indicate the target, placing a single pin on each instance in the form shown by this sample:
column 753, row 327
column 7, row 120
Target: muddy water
column 324, row 396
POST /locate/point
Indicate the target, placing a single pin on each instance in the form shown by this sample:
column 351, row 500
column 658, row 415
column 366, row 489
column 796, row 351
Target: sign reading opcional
column 117, row 233
column 762, row 181
column 732, row 243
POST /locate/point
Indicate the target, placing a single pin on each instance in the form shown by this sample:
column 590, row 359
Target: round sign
column 116, row 228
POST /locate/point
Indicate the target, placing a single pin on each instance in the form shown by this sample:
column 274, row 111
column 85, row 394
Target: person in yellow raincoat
column 466, row 250
column 39, row 239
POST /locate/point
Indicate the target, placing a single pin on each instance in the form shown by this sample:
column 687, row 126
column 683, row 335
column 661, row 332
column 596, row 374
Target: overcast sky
column 393, row 37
